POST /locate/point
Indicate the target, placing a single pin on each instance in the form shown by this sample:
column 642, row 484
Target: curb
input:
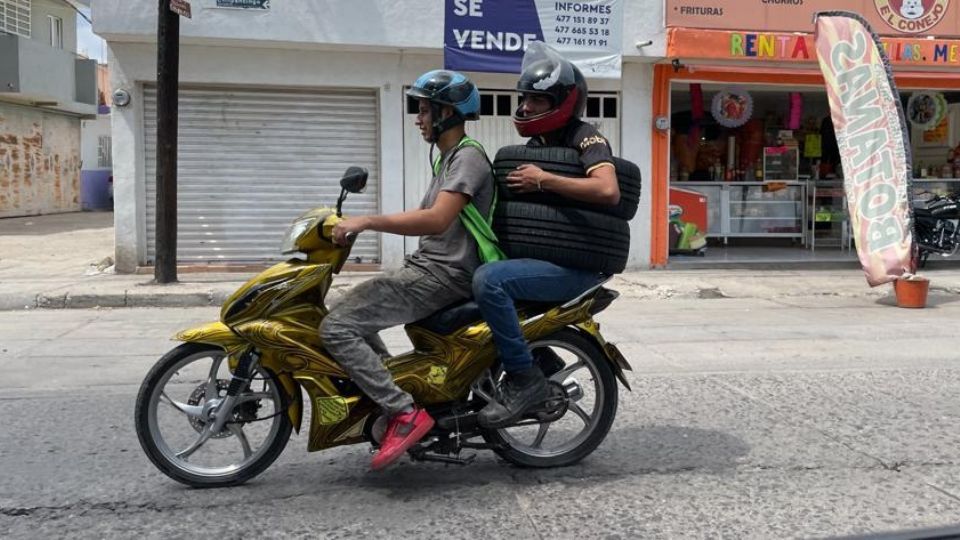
column 25, row 301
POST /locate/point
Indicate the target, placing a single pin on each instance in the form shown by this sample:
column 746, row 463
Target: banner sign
column 889, row 17
column 244, row 4
column 687, row 43
column 491, row 35
column 874, row 150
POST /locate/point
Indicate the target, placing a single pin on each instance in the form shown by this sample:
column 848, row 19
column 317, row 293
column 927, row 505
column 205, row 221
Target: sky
column 88, row 43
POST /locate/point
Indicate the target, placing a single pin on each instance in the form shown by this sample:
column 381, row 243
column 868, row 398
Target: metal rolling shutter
column 250, row 161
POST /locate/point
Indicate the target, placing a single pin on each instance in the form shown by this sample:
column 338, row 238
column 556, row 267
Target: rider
column 436, row 275
column 553, row 94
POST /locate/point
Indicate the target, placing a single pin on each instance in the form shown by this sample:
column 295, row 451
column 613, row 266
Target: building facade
column 275, row 103
column 45, row 91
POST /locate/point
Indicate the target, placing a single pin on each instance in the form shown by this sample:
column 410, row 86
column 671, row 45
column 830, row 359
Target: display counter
column 753, row 209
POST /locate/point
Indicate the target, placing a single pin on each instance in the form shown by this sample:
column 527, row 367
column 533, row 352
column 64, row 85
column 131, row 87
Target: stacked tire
column 565, row 232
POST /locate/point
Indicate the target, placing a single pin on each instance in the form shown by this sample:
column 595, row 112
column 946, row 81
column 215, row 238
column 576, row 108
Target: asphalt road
column 807, row 417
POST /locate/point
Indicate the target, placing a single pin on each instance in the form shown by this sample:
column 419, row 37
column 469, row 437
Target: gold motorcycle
column 218, row 409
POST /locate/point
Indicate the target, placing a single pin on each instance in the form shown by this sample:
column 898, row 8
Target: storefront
column 745, row 161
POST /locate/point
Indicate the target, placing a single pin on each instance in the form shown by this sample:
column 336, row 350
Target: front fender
column 220, row 335
column 591, row 330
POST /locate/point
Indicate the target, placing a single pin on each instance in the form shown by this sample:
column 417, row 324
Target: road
column 749, row 418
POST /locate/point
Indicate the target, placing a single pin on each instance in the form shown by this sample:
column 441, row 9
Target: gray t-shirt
column 451, row 256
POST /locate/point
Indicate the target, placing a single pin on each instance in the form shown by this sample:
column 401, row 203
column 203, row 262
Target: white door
column 494, row 130
column 252, row 160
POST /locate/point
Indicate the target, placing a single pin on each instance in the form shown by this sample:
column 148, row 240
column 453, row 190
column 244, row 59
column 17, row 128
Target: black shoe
column 550, row 362
column 519, row 392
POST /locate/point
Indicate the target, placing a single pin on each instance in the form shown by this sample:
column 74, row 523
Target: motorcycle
column 219, row 408
column 937, row 226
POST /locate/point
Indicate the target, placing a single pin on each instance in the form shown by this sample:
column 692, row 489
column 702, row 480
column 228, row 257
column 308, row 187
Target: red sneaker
column 403, row 431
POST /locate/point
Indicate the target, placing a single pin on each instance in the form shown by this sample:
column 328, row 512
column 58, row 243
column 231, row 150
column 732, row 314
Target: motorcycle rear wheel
column 534, row 445
column 170, row 427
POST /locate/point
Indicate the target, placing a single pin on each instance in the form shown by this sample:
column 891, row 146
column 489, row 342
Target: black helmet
column 443, row 87
column 546, row 73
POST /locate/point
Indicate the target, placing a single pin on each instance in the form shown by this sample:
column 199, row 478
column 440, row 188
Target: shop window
column 486, row 104
column 15, row 17
column 593, row 107
column 609, row 107
column 504, row 105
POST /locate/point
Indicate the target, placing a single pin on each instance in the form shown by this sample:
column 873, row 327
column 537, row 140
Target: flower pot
column 912, row 293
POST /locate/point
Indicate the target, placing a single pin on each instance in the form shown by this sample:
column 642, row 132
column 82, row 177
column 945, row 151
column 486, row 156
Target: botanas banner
column 871, row 134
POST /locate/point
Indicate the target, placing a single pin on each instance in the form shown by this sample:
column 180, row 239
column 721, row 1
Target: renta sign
column 887, row 17
column 685, row 43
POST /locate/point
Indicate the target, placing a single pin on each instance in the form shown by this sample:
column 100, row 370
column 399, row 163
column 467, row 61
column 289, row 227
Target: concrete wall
column 410, row 24
column 39, row 162
column 40, row 25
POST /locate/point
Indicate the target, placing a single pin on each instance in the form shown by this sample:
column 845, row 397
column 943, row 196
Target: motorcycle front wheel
column 177, row 403
column 591, row 393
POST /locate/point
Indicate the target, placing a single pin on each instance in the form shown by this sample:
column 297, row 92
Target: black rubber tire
column 141, row 421
column 608, row 410
column 566, row 162
column 565, row 236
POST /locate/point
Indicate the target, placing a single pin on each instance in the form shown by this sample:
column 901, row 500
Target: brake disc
column 197, row 397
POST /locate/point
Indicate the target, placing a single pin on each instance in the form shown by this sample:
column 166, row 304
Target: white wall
column 90, row 133
column 391, row 24
column 40, row 25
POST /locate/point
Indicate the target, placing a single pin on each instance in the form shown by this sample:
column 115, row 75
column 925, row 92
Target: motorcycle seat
column 939, row 208
column 456, row 316
column 460, row 314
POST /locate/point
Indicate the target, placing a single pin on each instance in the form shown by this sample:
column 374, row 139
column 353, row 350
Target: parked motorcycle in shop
column 218, row 409
column 937, row 227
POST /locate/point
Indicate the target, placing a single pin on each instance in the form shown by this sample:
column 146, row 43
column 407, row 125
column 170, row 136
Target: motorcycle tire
column 605, row 409
column 159, row 452
column 564, row 236
column 565, row 162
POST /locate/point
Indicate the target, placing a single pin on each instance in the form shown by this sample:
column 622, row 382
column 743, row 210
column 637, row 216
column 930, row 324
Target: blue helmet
column 443, row 87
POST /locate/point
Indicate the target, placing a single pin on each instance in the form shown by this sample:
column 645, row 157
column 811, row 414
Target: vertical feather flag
column 872, row 137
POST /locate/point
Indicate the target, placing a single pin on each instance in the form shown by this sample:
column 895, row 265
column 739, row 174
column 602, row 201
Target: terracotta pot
column 911, row 293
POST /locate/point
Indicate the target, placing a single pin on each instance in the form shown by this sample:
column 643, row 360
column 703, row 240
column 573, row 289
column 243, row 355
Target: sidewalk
column 65, row 261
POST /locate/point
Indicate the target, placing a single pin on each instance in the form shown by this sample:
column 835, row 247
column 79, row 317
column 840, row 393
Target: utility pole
column 168, row 80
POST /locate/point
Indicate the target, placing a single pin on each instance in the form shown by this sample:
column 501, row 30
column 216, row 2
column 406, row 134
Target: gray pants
column 349, row 332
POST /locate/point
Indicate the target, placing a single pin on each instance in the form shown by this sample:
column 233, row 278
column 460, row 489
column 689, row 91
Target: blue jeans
column 498, row 284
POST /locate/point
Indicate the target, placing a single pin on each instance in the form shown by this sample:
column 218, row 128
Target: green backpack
column 478, row 225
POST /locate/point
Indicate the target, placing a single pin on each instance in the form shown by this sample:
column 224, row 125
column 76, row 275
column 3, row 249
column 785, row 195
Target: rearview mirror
column 354, row 180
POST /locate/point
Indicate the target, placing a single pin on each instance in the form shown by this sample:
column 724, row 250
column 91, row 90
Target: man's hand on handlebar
column 345, row 231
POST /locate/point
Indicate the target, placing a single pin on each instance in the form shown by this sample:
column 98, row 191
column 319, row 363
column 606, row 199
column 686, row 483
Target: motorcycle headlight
column 294, row 233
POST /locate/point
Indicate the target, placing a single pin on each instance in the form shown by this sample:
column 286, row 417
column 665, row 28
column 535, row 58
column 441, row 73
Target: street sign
column 180, row 7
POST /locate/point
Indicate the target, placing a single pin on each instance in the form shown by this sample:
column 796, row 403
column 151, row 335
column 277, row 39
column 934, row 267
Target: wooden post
column 168, row 79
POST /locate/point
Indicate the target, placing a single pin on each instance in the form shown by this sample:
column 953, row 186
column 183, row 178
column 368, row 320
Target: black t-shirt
column 593, row 147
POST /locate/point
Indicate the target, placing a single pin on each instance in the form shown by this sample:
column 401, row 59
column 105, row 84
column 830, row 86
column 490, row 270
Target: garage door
column 250, row 161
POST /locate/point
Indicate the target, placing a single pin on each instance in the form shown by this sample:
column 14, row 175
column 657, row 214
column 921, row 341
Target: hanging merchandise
column 941, row 107
column 796, row 110
column 925, row 110
column 732, row 107
column 696, row 111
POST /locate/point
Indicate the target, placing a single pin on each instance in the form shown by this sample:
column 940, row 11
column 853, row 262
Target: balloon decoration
column 926, row 110
column 732, row 107
column 796, row 110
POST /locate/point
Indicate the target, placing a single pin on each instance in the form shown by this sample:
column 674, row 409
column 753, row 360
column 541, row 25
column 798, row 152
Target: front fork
column 239, row 381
